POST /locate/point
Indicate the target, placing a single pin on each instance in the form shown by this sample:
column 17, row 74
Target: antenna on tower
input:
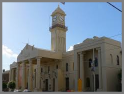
column 58, row 4
column 28, row 40
column 24, row 43
column 49, row 21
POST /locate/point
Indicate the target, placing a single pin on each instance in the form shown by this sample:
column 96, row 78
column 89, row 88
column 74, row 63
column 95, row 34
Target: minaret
column 58, row 31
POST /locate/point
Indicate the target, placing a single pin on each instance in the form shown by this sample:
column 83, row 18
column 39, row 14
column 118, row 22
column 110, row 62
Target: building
column 59, row 70
column 12, row 72
column 5, row 78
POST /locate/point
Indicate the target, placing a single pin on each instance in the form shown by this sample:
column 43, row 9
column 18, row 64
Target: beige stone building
column 59, row 70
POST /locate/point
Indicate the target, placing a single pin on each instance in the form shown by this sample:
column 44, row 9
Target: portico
column 83, row 68
column 29, row 70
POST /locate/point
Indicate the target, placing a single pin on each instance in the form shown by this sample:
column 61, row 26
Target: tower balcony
column 58, row 25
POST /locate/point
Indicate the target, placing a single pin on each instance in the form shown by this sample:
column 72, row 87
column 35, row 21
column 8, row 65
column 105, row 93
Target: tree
column 4, row 86
column 11, row 85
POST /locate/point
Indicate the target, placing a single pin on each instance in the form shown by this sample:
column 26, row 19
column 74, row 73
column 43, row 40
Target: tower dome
column 58, row 10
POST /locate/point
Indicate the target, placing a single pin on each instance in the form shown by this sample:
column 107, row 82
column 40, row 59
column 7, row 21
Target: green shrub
column 11, row 85
column 4, row 85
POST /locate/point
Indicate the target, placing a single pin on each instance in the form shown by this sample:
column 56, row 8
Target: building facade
column 5, row 78
column 59, row 70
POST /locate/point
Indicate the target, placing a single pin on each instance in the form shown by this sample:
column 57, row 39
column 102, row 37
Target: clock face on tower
column 54, row 18
column 61, row 18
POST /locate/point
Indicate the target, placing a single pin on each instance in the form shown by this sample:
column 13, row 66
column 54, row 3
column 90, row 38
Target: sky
column 29, row 22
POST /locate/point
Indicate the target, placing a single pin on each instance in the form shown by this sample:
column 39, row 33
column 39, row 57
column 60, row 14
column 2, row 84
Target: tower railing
column 58, row 25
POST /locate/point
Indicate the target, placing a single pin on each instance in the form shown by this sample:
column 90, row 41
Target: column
column 82, row 69
column 30, row 80
column 99, row 64
column 78, row 65
column 76, row 70
column 17, row 74
column 23, row 75
column 12, row 75
column 38, row 74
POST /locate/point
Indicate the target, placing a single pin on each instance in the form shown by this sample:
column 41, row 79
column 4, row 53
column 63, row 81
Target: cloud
column 78, row 43
column 8, row 52
column 70, row 48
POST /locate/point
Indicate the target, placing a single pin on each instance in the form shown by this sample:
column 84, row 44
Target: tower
column 58, row 31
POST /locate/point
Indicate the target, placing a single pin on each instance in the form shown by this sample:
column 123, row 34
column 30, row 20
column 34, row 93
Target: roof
column 58, row 10
column 95, row 40
column 33, row 52
column 7, row 71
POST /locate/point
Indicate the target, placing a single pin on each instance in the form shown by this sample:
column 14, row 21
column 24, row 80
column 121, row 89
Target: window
column 56, row 66
column 66, row 66
column 90, row 61
column 96, row 62
column 111, row 59
column 41, row 70
column 35, row 70
column 48, row 69
column 117, row 60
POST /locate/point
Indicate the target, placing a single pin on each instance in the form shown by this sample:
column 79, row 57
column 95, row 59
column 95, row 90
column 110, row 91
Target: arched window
column 90, row 61
column 96, row 62
column 117, row 60
column 111, row 58
column 56, row 66
column 66, row 66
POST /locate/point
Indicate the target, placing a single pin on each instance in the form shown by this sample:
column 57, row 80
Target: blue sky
column 28, row 22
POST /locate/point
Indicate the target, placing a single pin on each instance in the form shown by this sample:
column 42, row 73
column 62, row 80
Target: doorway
column 67, row 83
column 53, row 84
column 46, row 84
column 35, row 77
column 96, row 82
